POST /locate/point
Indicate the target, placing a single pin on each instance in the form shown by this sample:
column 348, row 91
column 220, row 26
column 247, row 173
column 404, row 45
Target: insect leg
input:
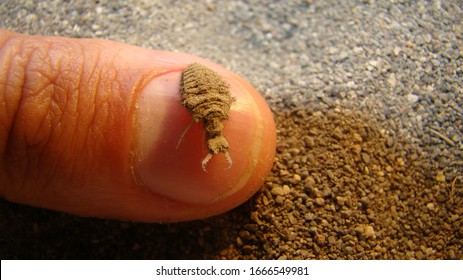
column 183, row 134
column 229, row 160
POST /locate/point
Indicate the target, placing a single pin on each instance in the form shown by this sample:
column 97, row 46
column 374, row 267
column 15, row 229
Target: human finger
column 90, row 127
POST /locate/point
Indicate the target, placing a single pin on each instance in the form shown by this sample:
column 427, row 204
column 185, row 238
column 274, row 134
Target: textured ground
column 368, row 99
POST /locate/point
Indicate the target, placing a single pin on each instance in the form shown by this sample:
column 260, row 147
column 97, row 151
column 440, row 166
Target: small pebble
column 430, row 206
column 319, row 201
column 286, row 189
column 296, row 178
column 303, row 253
column 239, row 242
column 340, row 200
column 320, row 239
column 278, row 191
column 452, row 255
column 357, row 137
column 412, row 98
column 369, row 231
column 309, row 142
column 331, row 239
column 280, row 200
column 440, row 177
column 365, row 158
column 292, row 219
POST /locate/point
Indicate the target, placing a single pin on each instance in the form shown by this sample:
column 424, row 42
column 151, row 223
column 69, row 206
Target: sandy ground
column 368, row 99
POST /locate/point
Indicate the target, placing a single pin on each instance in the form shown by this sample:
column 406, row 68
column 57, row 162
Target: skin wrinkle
column 77, row 97
column 57, row 107
column 17, row 46
column 103, row 87
column 87, row 80
column 114, row 88
column 86, row 85
column 84, row 123
column 101, row 98
column 99, row 101
column 53, row 109
column 57, row 115
column 52, row 117
column 39, row 91
column 5, row 101
column 72, row 105
column 10, row 73
column 95, row 109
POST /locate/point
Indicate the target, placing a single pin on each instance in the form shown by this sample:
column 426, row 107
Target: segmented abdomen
column 204, row 93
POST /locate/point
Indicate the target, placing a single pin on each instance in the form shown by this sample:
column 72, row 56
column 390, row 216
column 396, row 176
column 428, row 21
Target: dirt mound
column 342, row 187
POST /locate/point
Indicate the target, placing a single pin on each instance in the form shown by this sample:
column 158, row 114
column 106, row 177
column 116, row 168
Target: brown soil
column 343, row 187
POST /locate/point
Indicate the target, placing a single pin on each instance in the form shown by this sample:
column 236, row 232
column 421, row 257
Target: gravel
column 368, row 99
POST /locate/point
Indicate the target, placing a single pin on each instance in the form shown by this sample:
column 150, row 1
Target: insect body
column 207, row 97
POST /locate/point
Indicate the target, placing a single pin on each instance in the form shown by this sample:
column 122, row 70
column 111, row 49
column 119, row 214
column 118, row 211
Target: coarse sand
column 368, row 100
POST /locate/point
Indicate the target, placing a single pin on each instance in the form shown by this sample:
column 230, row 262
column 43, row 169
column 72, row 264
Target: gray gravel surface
column 368, row 98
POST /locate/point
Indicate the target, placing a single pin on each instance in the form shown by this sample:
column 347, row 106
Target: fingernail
column 176, row 173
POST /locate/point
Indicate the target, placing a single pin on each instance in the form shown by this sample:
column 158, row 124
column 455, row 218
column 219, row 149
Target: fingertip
column 177, row 173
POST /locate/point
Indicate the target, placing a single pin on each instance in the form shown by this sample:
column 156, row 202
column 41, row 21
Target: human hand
column 90, row 127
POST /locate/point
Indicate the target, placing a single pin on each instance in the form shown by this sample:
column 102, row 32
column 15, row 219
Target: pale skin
column 90, row 127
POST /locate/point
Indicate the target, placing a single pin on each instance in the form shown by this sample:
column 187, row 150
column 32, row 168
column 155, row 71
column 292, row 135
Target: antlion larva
column 207, row 97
